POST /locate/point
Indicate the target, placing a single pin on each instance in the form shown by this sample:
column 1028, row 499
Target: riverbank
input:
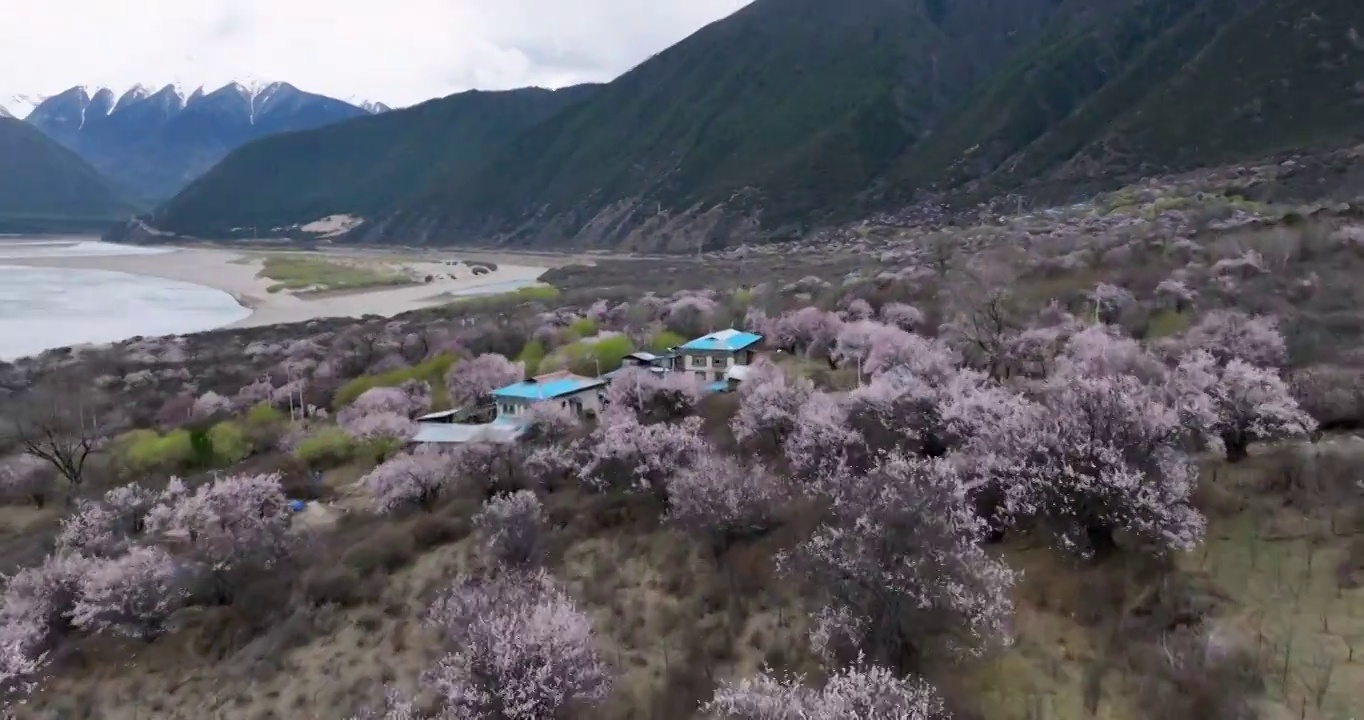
column 434, row 277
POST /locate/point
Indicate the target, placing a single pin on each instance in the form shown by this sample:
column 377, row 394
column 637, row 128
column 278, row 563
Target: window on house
column 701, row 375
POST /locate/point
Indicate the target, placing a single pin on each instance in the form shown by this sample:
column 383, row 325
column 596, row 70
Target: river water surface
column 44, row 308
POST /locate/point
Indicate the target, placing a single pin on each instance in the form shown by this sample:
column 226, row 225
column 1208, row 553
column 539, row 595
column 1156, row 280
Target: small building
column 578, row 393
column 641, row 359
column 712, row 356
column 446, row 433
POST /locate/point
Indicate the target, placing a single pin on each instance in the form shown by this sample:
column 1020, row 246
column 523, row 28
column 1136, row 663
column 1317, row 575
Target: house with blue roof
column 578, row 393
column 712, row 357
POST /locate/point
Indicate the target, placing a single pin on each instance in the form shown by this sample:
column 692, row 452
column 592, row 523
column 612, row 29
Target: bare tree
column 60, row 424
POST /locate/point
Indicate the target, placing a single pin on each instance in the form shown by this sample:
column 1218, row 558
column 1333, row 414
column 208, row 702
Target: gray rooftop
column 454, row 433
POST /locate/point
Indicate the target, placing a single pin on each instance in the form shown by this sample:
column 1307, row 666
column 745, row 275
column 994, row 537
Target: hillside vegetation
column 44, row 185
column 795, row 113
column 1097, row 463
column 358, row 167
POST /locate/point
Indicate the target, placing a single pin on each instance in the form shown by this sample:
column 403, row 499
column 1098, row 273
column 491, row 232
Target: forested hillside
column 358, row 167
column 44, row 185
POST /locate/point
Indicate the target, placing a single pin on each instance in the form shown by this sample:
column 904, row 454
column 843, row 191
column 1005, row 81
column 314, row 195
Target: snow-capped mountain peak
column 20, row 106
column 370, row 106
column 136, row 93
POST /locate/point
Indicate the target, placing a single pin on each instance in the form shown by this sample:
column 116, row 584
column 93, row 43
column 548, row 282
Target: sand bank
column 236, row 273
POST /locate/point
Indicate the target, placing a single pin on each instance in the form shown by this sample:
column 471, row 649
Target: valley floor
column 344, row 283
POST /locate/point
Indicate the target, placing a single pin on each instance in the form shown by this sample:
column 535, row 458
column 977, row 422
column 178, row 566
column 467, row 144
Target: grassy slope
column 42, row 183
column 355, row 167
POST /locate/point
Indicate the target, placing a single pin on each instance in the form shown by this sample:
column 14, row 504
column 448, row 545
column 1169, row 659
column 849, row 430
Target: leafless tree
column 60, row 423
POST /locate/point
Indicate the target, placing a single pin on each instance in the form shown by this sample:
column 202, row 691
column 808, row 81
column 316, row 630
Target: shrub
column 662, row 340
column 582, row 328
column 432, row 371
column 531, row 355
column 388, row 550
column 436, row 529
column 146, row 451
column 335, row 585
column 328, row 447
column 264, row 415
column 229, row 443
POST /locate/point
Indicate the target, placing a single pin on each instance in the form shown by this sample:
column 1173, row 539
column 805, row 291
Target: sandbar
column 236, row 273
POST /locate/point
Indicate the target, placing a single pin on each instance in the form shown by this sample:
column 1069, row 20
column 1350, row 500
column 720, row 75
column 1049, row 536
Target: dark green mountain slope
column 793, row 113
column 356, row 167
column 1059, row 80
column 44, row 186
column 784, row 106
column 1205, row 82
column 1286, row 75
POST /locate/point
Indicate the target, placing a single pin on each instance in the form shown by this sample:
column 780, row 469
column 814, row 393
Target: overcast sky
column 395, row 51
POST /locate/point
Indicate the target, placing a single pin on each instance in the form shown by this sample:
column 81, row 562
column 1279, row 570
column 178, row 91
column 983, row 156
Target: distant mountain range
column 154, row 142
column 790, row 114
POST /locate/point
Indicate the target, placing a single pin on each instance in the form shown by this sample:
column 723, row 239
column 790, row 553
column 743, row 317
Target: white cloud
column 397, row 51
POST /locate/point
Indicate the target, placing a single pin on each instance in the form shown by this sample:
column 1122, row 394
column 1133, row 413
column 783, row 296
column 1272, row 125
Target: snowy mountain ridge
column 154, row 141
column 256, row 92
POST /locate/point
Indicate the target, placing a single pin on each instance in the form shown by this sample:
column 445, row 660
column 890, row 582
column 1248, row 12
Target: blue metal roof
column 548, row 388
column 727, row 340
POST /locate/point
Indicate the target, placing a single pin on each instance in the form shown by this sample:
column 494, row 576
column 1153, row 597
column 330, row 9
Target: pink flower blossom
column 717, row 494
column 903, row 555
column 863, row 692
column 622, row 453
column 470, row 381
column 653, row 397
column 518, row 649
column 416, row 478
column 132, row 595
column 511, row 528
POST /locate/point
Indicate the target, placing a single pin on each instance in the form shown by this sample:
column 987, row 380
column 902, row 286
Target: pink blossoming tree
column 1246, row 403
column 414, row 479
column 653, row 397
column 232, row 528
column 40, row 600
column 901, row 563
column 623, row 454
column 863, row 692
column 25, row 476
column 132, row 595
column 769, row 405
column 1230, row 334
column 519, row 649
column 511, row 529
column 720, row 498
column 469, row 381
column 1103, row 453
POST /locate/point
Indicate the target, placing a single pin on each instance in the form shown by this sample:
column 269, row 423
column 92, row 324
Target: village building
column 711, row 357
column 575, row 392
